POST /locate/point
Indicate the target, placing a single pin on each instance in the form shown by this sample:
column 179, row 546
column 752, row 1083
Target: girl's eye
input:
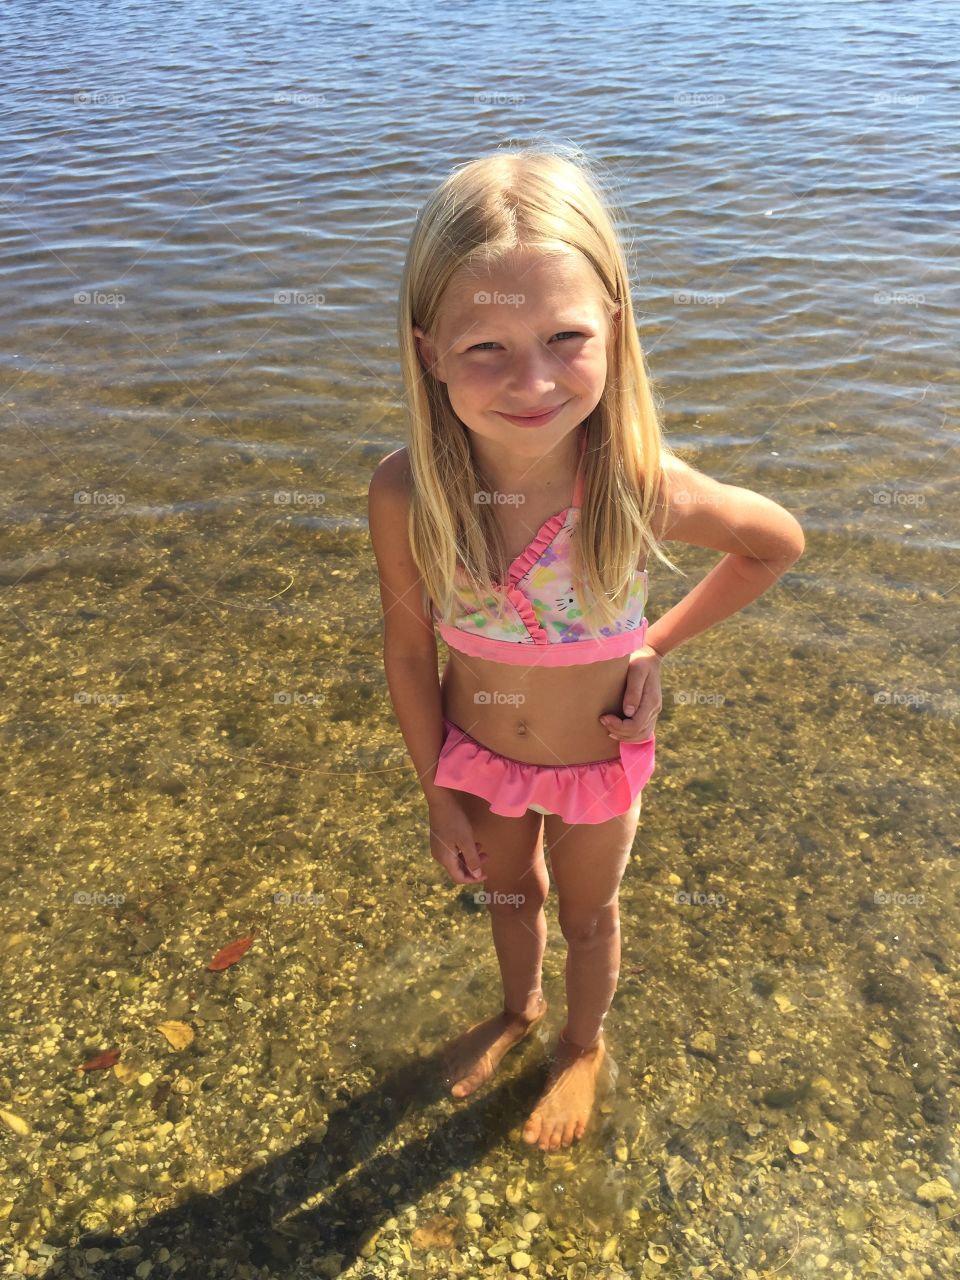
column 564, row 333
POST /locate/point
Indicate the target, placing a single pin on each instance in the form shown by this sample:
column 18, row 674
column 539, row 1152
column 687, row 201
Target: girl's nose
column 531, row 379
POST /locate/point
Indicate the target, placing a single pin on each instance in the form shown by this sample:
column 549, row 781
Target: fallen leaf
column 436, row 1233
column 179, row 1034
column 105, row 1059
column 231, row 953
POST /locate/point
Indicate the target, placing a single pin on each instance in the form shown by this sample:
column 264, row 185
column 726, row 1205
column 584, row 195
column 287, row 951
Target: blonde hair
column 482, row 211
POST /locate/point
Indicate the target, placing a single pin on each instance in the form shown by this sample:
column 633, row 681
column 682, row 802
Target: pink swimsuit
column 542, row 625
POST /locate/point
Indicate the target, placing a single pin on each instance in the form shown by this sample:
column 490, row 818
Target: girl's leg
column 516, row 887
column 588, row 863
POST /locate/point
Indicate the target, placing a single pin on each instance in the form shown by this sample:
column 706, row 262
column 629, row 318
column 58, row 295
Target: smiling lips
column 533, row 419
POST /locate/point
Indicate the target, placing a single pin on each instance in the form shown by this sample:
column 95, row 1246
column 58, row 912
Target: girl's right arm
column 410, row 663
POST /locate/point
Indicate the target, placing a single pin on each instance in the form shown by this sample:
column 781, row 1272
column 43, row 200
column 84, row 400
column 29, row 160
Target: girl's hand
column 641, row 699
column 452, row 842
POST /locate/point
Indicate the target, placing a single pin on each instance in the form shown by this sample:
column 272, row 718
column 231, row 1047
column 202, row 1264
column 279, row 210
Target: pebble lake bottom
column 199, row 748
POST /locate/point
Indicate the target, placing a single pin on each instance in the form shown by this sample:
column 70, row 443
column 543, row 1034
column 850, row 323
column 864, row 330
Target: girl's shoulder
column 394, row 471
column 388, row 497
column 391, row 485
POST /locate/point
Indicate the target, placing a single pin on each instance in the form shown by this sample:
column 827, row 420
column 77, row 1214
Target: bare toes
column 472, row 1081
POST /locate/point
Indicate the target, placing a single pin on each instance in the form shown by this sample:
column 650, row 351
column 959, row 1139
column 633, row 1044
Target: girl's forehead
column 534, row 266
column 544, row 281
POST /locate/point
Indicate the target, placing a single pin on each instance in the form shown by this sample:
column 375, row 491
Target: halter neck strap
column 578, row 482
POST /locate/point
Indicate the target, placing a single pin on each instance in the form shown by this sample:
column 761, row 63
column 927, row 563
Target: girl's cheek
column 586, row 365
column 479, row 382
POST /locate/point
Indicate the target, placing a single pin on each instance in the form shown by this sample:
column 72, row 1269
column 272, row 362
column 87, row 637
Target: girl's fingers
column 633, row 732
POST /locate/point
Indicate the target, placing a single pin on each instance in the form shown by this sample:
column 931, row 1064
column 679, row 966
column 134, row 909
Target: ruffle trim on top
column 534, row 550
column 527, row 615
column 522, row 565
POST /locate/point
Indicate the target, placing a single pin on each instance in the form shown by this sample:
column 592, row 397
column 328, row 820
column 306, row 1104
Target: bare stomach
column 541, row 715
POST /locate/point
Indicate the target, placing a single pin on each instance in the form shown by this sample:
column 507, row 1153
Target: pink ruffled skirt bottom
column 590, row 793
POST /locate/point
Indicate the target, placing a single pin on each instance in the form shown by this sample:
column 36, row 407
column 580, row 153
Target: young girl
column 519, row 520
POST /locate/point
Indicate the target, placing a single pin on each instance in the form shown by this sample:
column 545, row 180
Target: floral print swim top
column 542, row 623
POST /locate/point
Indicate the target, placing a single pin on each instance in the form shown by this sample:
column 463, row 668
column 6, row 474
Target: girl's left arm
column 761, row 540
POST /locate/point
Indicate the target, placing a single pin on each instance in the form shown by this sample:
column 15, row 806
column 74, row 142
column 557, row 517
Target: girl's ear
column 424, row 348
column 615, row 324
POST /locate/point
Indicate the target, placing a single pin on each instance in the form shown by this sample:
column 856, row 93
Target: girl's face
column 521, row 339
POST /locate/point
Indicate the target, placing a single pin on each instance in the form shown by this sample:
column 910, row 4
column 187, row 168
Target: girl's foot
column 563, row 1112
column 475, row 1054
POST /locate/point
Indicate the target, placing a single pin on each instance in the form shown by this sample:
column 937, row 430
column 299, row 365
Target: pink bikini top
column 542, row 623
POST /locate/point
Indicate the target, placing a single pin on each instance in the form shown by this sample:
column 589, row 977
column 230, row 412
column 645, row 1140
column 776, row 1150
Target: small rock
column 609, row 1250
column 782, row 1097
column 676, row 1172
column 934, row 1109
column 15, row 1123
column 890, row 1085
column 935, row 1191
column 853, row 1217
column 703, row 1044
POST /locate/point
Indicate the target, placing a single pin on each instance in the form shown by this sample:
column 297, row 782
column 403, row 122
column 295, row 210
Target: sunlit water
column 201, row 233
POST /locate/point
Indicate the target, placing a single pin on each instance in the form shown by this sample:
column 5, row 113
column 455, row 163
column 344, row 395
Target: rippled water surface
column 202, row 218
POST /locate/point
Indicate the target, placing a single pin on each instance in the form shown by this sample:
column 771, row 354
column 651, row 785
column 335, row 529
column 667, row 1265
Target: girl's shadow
column 263, row 1216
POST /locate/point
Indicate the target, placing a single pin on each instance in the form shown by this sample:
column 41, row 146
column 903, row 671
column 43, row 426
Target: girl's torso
column 542, row 715
column 538, row 714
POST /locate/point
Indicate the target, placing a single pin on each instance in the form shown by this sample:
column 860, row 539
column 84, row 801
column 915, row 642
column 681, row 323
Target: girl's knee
column 590, row 928
column 519, row 900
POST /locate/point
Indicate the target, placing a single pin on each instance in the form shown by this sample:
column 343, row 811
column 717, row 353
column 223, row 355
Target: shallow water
column 200, row 745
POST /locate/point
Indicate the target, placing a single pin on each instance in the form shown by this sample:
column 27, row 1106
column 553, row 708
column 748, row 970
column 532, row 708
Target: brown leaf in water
column 436, row 1233
column 179, row 1034
column 105, row 1059
column 231, row 953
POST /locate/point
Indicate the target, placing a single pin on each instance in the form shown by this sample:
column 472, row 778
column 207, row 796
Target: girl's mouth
column 533, row 420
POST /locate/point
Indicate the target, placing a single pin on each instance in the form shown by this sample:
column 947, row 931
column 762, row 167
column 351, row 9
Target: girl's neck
column 532, row 477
